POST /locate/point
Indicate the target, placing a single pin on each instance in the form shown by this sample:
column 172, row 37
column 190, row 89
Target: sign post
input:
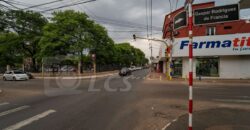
column 190, row 33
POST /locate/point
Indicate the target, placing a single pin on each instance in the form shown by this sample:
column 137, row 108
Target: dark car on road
column 124, row 71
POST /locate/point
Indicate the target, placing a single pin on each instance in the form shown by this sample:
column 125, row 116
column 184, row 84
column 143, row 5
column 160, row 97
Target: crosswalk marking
column 4, row 103
column 29, row 120
column 13, row 110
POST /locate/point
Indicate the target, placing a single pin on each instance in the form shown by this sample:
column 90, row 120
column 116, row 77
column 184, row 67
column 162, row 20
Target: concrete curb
column 202, row 82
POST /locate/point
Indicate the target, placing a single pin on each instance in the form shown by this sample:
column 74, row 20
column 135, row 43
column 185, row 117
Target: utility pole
column 190, row 33
column 151, row 50
column 170, row 61
column 151, row 27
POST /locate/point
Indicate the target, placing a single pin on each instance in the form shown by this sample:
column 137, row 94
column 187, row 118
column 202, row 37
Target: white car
column 132, row 68
column 15, row 75
column 68, row 69
column 139, row 68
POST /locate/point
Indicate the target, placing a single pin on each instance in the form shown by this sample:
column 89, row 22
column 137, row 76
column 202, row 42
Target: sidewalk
column 214, row 119
column 162, row 77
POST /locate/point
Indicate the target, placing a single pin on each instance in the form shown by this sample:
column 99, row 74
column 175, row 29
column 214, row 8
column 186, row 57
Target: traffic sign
column 180, row 20
column 216, row 14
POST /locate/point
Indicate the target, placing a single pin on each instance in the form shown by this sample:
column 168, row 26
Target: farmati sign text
column 239, row 44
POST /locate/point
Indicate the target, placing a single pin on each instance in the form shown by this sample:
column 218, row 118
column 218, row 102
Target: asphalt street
column 115, row 103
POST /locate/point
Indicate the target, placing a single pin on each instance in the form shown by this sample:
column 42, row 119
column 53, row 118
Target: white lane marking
column 29, row 120
column 4, row 103
column 13, row 110
column 245, row 97
column 232, row 100
column 166, row 126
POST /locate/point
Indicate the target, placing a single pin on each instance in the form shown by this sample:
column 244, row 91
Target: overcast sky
column 115, row 14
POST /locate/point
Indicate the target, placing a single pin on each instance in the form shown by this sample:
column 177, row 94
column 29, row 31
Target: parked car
column 132, row 68
column 29, row 75
column 15, row 75
column 125, row 71
column 68, row 69
column 138, row 68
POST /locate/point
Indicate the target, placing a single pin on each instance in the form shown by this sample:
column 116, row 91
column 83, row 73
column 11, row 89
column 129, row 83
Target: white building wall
column 230, row 67
column 185, row 67
column 235, row 67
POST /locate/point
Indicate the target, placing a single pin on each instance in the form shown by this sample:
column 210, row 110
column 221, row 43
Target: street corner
column 214, row 119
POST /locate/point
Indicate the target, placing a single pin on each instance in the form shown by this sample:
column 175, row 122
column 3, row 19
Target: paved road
column 114, row 103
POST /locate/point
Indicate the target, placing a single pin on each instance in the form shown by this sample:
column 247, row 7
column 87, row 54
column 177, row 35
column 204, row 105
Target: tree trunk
column 81, row 61
column 34, row 64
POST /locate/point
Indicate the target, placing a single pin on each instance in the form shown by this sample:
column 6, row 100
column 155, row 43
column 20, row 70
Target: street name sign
column 216, row 14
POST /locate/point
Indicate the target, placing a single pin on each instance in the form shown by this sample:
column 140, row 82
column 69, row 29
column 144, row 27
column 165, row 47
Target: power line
column 115, row 22
column 125, row 23
column 151, row 20
column 42, row 4
column 67, row 5
column 9, row 3
column 120, row 22
column 4, row 6
column 24, row 5
column 20, row 3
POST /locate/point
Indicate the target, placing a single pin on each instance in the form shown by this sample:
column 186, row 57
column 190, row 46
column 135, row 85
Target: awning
column 244, row 4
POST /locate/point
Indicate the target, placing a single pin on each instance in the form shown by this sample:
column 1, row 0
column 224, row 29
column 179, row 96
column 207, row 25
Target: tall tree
column 126, row 55
column 70, row 32
column 104, row 46
column 10, row 54
column 28, row 26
